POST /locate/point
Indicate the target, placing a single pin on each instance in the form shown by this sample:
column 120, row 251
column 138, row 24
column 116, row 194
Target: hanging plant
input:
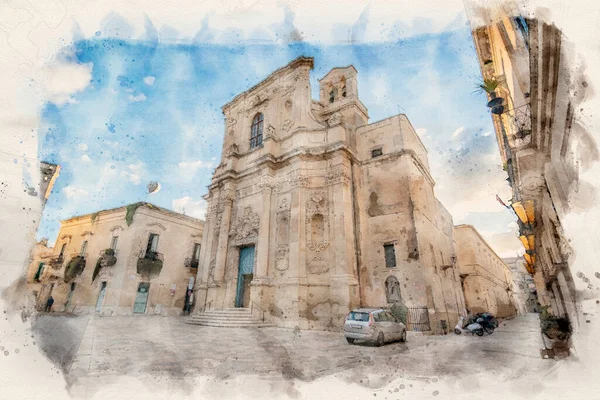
column 74, row 268
column 131, row 211
column 94, row 216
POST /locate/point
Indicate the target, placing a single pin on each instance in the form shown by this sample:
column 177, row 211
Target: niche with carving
column 283, row 235
column 317, row 233
column 392, row 290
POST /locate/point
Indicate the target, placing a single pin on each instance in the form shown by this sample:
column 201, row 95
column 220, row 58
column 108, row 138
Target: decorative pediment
column 116, row 229
column 68, row 237
column 87, row 233
column 246, row 226
column 197, row 236
column 157, row 225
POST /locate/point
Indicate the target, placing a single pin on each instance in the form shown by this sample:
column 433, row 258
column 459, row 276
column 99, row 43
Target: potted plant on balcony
column 150, row 263
column 74, row 268
column 107, row 259
column 489, row 86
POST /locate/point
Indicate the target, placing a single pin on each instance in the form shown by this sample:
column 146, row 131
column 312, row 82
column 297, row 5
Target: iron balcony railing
column 191, row 262
column 151, row 255
column 520, row 121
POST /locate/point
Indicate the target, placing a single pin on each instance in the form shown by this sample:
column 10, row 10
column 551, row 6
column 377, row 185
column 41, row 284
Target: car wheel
column 350, row 340
column 457, row 331
column 380, row 339
column 479, row 332
column 489, row 329
column 403, row 338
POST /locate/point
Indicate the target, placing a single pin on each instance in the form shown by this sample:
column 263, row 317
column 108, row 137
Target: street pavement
column 172, row 354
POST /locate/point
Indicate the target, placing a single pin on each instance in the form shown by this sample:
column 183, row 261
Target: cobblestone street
column 169, row 352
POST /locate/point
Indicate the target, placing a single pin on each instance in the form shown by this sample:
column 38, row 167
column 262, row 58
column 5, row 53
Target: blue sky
column 151, row 112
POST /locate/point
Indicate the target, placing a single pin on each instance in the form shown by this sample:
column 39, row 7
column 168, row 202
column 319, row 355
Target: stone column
column 264, row 234
column 227, row 202
column 344, row 285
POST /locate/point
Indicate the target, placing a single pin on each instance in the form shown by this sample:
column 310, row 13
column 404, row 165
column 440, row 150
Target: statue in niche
column 392, row 290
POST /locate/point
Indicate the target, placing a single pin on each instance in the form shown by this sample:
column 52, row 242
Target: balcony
column 106, row 258
column 150, row 263
column 191, row 263
column 57, row 262
column 75, row 267
column 520, row 124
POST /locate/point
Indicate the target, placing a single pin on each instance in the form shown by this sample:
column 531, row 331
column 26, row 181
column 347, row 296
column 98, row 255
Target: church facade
column 313, row 210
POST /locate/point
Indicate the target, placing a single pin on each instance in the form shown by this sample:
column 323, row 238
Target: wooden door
column 246, row 268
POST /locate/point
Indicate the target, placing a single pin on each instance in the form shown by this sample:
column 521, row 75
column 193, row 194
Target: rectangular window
column 83, row 248
column 152, row 243
column 390, row 255
column 196, row 251
column 62, row 250
column 113, row 243
column 376, row 152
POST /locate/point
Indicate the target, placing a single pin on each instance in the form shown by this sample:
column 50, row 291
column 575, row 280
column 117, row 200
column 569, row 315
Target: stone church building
column 313, row 210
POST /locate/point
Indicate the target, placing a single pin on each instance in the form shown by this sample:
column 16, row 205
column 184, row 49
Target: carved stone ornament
column 231, row 122
column 316, row 205
column 282, row 258
column 318, row 266
column 271, row 134
column 295, row 178
column 335, row 119
column 246, row 226
column 267, row 182
column 283, row 206
column 287, row 125
column 232, row 150
column 338, row 176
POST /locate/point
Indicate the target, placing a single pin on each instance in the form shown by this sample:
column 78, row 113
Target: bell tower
column 339, row 94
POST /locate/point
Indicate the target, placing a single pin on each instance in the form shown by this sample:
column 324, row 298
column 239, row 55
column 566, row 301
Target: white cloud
column 134, row 173
column 73, row 193
column 85, row 158
column 139, row 97
column 191, row 167
column 149, row 80
column 186, row 205
column 421, row 132
column 133, row 178
column 83, row 147
column 486, row 134
column 61, row 81
column 458, row 131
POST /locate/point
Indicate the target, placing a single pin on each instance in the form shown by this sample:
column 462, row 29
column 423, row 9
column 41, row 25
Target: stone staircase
column 228, row 318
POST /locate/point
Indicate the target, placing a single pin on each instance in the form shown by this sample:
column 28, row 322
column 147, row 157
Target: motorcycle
column 487, row 321
column 472, row 327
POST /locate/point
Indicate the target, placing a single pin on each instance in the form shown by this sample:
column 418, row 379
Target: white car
column 373, row 325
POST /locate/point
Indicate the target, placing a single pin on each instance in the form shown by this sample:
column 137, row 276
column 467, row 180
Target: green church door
column 139, row 307
column 246, row 267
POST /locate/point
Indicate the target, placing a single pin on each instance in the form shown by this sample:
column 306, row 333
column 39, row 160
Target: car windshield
column 358, row 316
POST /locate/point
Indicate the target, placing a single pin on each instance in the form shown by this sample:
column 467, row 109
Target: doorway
column 101, row 295
column 245, row 275
column 139, row 307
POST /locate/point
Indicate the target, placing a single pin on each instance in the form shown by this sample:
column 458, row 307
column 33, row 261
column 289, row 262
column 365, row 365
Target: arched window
column 332, row 95
column 256, row 133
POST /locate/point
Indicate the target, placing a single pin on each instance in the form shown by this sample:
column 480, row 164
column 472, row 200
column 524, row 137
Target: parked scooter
column 474, row 328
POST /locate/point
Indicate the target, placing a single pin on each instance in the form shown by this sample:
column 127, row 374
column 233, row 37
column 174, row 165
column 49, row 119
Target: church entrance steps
column 228, row 318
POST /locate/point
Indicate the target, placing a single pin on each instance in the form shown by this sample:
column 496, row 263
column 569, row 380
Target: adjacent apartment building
column 533, row 97
column 485, row 278
column 135, row 259
column 314, row 211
